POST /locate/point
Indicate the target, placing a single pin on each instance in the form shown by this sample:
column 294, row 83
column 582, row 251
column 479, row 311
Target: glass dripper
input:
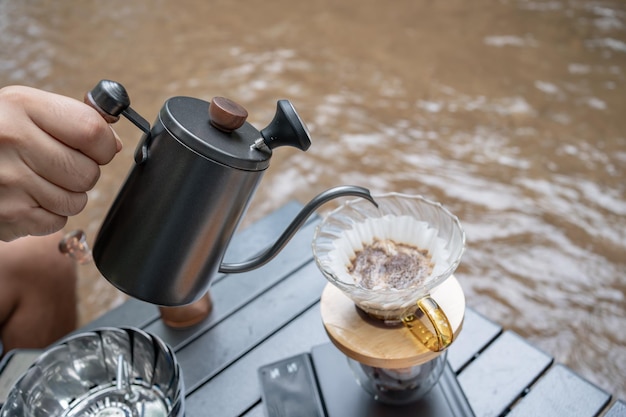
column 403, row 219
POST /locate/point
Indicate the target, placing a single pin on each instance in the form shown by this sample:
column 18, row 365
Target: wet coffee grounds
column 385, row 264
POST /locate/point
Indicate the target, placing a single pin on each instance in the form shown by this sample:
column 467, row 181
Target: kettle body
column 167, row 230
column 196, row 170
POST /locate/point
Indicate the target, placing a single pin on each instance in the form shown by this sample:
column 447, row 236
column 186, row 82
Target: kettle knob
column 226, row 115
column 286, row 129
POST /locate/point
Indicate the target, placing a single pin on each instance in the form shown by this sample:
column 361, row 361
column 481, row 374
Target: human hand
column 51, row 149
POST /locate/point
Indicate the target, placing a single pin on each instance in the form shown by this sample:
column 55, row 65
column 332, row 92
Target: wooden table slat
column 133, row 313
column 256, row 411
column 500, row 374
column 249, row 326
column 236, row 389
column 476, row 334
column 561, row 392
column 618, row 409
column 231, row 294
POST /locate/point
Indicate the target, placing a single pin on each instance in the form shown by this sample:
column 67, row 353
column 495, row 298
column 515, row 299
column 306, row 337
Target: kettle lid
column 189, row 121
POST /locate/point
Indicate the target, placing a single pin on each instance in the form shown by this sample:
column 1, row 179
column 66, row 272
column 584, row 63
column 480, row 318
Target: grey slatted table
column 272, row 313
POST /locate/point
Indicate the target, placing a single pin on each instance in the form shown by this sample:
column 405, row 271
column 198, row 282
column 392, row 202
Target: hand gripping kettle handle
column 270, row 252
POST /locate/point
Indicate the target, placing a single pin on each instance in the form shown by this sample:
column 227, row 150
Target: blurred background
column 511, row 113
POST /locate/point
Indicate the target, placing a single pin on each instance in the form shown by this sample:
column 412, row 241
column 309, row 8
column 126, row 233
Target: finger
column 118, row 141
column 44, row 223
column 58, row 163
column 27, row 219
column 70, row 121
column 56, row 199
column 21, row 189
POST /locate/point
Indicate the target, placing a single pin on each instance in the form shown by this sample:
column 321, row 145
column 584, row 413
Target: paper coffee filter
column 400, row 229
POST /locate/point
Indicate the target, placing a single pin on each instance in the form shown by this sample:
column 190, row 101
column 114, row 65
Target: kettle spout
column 269, row 253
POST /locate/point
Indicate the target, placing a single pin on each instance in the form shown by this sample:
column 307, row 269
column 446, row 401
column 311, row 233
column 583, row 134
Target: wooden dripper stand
column 386, row 345
column 74, row 244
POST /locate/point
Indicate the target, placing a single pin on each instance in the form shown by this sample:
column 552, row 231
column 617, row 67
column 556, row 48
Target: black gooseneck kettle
column 195, row 172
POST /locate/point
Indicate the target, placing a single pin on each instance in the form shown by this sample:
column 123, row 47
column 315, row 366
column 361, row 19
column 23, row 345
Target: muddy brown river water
column 510, row 113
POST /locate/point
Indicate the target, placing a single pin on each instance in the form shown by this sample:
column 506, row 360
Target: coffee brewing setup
column 394, row 325
column 163, row 239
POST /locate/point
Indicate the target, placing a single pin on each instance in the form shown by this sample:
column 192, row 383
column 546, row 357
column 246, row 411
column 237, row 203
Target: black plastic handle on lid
column 287, row 129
